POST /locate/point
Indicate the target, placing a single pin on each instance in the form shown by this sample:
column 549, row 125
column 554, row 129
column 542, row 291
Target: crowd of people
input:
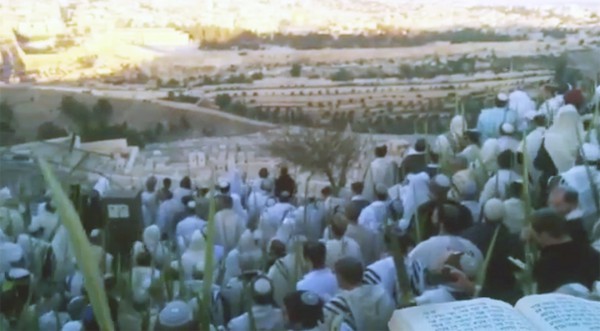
column 410, row 233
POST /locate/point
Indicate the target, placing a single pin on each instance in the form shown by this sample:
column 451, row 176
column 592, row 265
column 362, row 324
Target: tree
column 296, row 70
column 223, row 100
column 342, row 75
column 102, row 110
column 318, row 151
column 49, row 130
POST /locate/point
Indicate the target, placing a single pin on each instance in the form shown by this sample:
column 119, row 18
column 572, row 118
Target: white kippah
column 442, row 180
column 262, row 286
column 508, row 128
column 223, row 184
column 176, row 313
column 191, row 204
column 493, row 210
column 381, row 189
column 502, row 97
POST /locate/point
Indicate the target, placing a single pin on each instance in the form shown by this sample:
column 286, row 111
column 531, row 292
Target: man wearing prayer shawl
column 363, row 306
column 500, row 283
column 46, row 222
column 168, row 213
column 496, row 186
column 340, row 245
column 514, row 207
column 381, row 171
column 472, row 151
column 561, row 142
column 565, row 200
column 186, row 227
column 490, row 120
column 553, row 101
column 310, row 219
column 585, row 179
column 257, row 200
column 507, row 139
column 520, row 102
column 249, row 245
column 273, row 216
column 228, row 226
column 265, row 315
column 453, row 142
column 286, row 271
column 415, row 160
column 532, row 142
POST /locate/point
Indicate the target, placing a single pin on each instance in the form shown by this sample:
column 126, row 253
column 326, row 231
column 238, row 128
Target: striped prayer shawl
column 338, row 306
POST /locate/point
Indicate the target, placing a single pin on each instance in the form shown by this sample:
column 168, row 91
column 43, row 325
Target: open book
column 545, row 312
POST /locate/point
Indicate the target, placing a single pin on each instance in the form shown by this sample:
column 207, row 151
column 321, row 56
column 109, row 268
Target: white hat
column 502, row 97
column 262, row 286
column 493, row 210
column 18, row 273
column 10, row 252
column 590, row 152
column 72, row 326
column 574, row 289
column 175, row 314
column 223, row 184
column 442, row 180
column 507, row 128
column 191, row 204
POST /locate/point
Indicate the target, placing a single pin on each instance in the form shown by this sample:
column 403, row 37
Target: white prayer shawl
column 46, row 221
column 309, row 220
column 431, row 252
column 34, row 250
column 562, row 138
column 374, row 216
column 63, row 252
column 167, row 211
column 257, row 202
column 149, row 207
column 284, row 274
column 395, row 192
column 186, row 228
column 508, row 143
column 487, row 163
column 272, row 218
column 371, row 307
column 339, row 248
column 141, row 280
column 471, row 153
column 579, row 179
column 229, row 228
column 521, row 103
column 238, row 208
column 415, row 193
column 533, row 142
column 382, row 272
column 246, row 246
column 151, row 239
column 551, row 106
column 181, row 192
column 266, row 318
column 102, row 186
column 194, row 257
column 322, row 282
column 236, row 183
column 497, row 185
column 381, row 171
column 474, row 207
column 442, row 145
column 514, row 215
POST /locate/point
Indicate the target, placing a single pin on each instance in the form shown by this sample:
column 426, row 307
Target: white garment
column 141, row 280
column 365, row 239
column 321, row 282
column 578, row 178
column 415, row 193
column 471, row 153
column 508, row 143
column 257, row 202
column 273, row 217
column 562, row 138
column 284, row 274
column 381, row 171
column 533, row 142
column 167, row 212
column 149, row 207
column 238, row 208
column 266, row 318
column 193, row 259
column 181, row 192
column 156, row 248
column 514, row 215
column 431, row 252
column 339, row 248
column 102, row 186
column 310, row 224
column 186, row 228
column 374, row 216
column 11, row 222
column 551, row 106
column 497, row 185
column 382, row 272
column 442, row 145
column 228, row 228
column 521, row 103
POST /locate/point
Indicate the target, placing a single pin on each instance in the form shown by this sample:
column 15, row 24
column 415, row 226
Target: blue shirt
column 490, row 120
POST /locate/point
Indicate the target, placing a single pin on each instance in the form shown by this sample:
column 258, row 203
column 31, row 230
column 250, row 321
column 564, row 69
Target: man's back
column 570, row 262
column 490, row 120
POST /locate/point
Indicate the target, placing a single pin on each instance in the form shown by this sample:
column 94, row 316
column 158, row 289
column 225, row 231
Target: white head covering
column 562, row 138
column 9, row 253
column 502, row 97
column 194, row 257
column 458, row 125
column 72, row 326
column 151, row 236
column 175, row 314
column 493, row 210
column 507, row 128
column 489, row 153
column 415, row 193
column 574, row 289
column 4, row 195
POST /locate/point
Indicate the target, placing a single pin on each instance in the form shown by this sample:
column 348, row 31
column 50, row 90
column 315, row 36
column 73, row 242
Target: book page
column 560, row 312
column 471, row 315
